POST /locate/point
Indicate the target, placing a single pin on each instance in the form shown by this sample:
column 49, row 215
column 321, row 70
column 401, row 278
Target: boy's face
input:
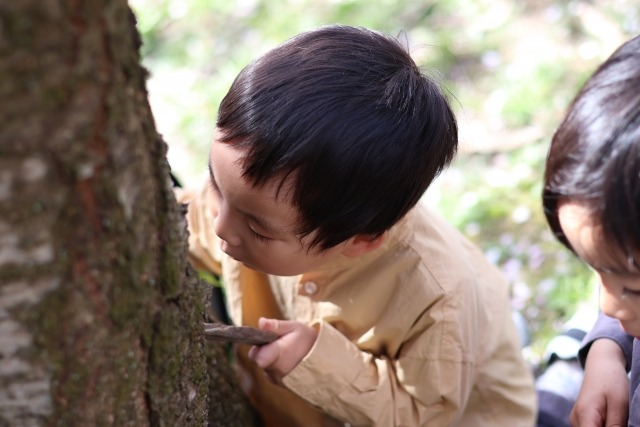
column 620, row 296
column 256, row 225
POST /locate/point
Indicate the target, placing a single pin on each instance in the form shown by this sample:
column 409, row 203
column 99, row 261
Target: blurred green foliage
column 510, row 66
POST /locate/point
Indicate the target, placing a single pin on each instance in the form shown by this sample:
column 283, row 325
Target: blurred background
column 511, row 67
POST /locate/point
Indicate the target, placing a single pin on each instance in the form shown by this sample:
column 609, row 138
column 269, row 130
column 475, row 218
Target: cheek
column 287, row 263
column 272, row 258
column 212, row 202
column 608, row 301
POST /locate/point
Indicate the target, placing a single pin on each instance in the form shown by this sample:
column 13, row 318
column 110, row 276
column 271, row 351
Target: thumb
column 616, row 416
column 279, row 327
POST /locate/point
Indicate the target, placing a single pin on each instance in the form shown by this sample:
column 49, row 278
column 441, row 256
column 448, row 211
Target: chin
column 630, row 330
column 272, row 271
column 249, row 265
column 256, row 267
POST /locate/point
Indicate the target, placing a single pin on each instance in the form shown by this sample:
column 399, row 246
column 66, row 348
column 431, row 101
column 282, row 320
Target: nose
column 612, row 304
column 225, row 225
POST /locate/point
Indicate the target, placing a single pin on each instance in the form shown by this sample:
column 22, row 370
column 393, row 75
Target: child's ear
column 361, row 244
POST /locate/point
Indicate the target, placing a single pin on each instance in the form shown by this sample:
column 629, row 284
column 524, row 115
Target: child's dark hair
column 348, row 113
column 594, row 158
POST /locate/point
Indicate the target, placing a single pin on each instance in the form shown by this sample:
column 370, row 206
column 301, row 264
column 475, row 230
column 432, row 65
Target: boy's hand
column 604, row 395
column 281, row 356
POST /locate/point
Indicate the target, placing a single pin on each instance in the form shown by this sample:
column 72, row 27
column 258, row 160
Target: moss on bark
column 103, row 312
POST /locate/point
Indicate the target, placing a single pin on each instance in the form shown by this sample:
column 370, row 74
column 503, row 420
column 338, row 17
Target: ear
column 361, row 244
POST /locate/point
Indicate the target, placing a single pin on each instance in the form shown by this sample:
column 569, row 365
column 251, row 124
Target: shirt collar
column 327, row 274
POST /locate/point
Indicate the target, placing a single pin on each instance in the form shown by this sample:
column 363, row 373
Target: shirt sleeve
column 363, row 389
column 607, row 327
column 204, row 250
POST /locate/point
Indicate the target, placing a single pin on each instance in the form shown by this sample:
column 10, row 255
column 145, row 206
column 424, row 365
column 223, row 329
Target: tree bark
column 100, row 314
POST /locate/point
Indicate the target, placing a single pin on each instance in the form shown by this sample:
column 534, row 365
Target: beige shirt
column 415, row 333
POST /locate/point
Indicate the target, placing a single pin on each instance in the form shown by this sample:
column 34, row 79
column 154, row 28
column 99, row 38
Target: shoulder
column 442, row 250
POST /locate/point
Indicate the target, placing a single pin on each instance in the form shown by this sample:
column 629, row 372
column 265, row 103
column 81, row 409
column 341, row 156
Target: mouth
column 235, row 257
column 224, row 246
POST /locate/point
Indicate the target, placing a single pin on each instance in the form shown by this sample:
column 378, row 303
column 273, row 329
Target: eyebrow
column 270, row 229
column 612, row 267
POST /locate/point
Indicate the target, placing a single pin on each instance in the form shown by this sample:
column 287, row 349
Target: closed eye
column 632, row 292
column 214, row 187
column 212, row 182
column 260, row 237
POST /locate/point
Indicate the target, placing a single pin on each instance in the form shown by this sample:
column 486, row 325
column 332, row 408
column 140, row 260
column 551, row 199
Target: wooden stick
column 239, row 334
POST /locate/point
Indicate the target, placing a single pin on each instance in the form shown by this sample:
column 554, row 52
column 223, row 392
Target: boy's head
column 594, row 157
column 345, row 117
column 591, row 190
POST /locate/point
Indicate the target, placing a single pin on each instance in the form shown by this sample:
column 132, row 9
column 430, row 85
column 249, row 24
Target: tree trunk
column 100, row 315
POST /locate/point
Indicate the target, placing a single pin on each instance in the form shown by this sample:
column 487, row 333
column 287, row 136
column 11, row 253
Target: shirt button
column 310, row 288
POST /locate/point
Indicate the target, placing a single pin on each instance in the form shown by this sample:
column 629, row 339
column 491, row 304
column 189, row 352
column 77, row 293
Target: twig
column 239, row 334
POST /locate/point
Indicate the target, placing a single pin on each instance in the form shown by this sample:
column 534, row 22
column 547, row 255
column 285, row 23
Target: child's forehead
column 281, row 183
column 226, row 170
column 607, row 256
column 618, row 260
column 614, row 263
column 591, row 243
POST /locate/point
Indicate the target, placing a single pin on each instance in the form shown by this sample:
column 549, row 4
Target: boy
column 388, row 316
column 591, row 199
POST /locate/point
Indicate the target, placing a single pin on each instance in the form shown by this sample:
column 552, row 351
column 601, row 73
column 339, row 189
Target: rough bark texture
column 100, row 317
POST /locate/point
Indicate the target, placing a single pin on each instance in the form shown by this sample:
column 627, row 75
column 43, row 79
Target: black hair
column 594, row 157
column 348, row 114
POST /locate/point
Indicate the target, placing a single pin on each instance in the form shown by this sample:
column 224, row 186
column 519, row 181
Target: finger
column 616, row 416
column 586, row 418
column 266, row 355
column 574, row 418
column 273, row 377
column 279, row 327
column 252, row 352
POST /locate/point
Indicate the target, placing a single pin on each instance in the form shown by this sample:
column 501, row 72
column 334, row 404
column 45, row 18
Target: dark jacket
column 607, row 327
